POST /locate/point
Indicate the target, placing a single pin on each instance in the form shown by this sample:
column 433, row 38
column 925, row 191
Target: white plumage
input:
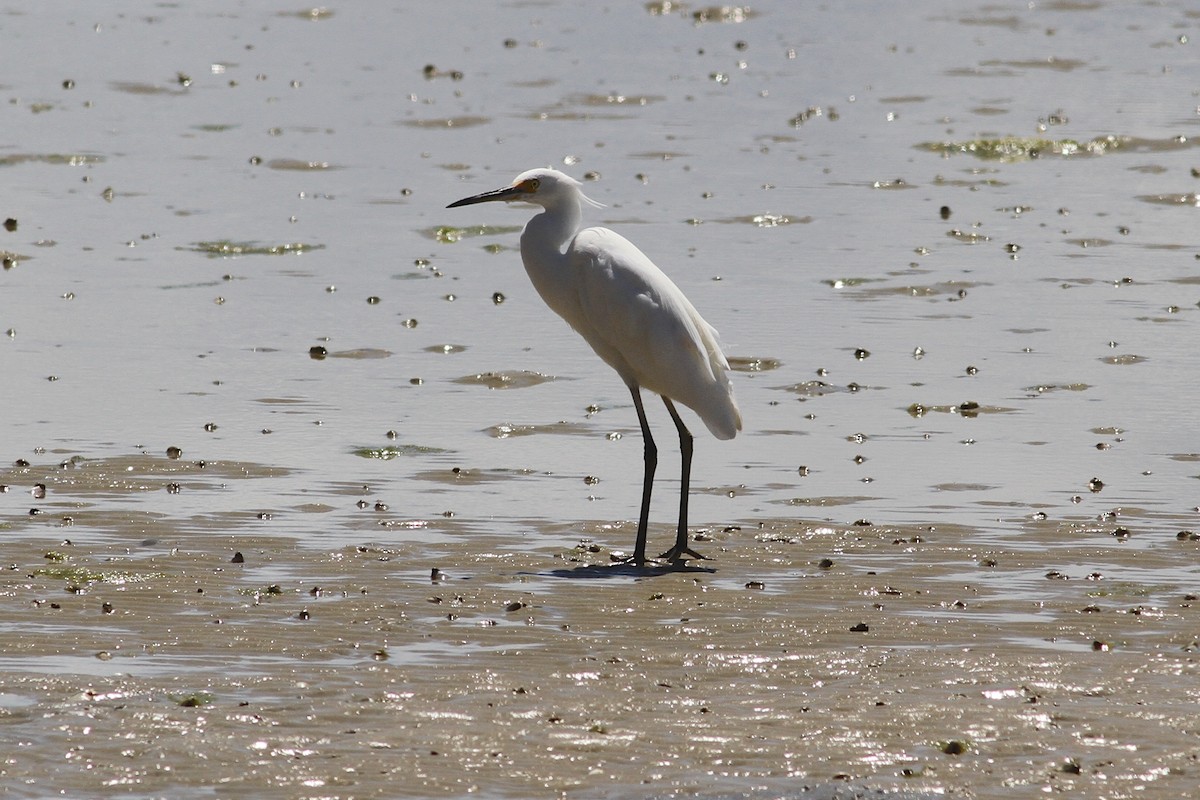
column 634, row 317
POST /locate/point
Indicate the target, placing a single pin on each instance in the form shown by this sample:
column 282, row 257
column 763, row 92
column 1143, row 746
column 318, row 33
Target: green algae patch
column 300, row 165
column 391, row 451
column 150, row 89
column 449, row 234
column 66, row 159
column 847, row 283
column 968, row 409
column 1027, row 148
column 81, row 576
column 229, row 249
column 311, row 14
column 753, row 363
column 465, row 121
column 505, row 379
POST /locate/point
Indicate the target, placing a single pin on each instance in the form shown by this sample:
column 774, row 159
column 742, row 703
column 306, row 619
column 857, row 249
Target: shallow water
column 882, row 212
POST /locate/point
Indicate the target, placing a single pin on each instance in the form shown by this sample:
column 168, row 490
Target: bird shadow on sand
column 626, row 570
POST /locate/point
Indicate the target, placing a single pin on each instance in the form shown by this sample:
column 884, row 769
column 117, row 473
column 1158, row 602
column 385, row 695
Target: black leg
column 651, row 453
column 681, row 548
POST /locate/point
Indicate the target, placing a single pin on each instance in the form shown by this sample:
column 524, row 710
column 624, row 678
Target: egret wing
column 642, row 325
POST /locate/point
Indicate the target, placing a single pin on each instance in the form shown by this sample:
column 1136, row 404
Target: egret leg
column 651, row 455
column 681, row 549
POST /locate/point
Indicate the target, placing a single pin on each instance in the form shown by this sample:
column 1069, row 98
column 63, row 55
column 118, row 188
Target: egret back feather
column 641, row 324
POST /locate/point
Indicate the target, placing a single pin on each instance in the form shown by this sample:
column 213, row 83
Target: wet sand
column 307, row 495
column 799, row 660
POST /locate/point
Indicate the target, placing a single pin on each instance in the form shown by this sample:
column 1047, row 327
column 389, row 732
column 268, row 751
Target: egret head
column 544, row 187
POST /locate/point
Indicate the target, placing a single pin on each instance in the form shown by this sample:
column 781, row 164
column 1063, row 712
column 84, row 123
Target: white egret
column 634, row 317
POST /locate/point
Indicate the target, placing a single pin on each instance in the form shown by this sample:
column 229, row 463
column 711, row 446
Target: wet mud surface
column 180, row 655
column 304, row 493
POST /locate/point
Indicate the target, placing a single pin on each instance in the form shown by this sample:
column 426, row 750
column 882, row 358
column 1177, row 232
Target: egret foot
column 681, row 553
column 629, row 560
